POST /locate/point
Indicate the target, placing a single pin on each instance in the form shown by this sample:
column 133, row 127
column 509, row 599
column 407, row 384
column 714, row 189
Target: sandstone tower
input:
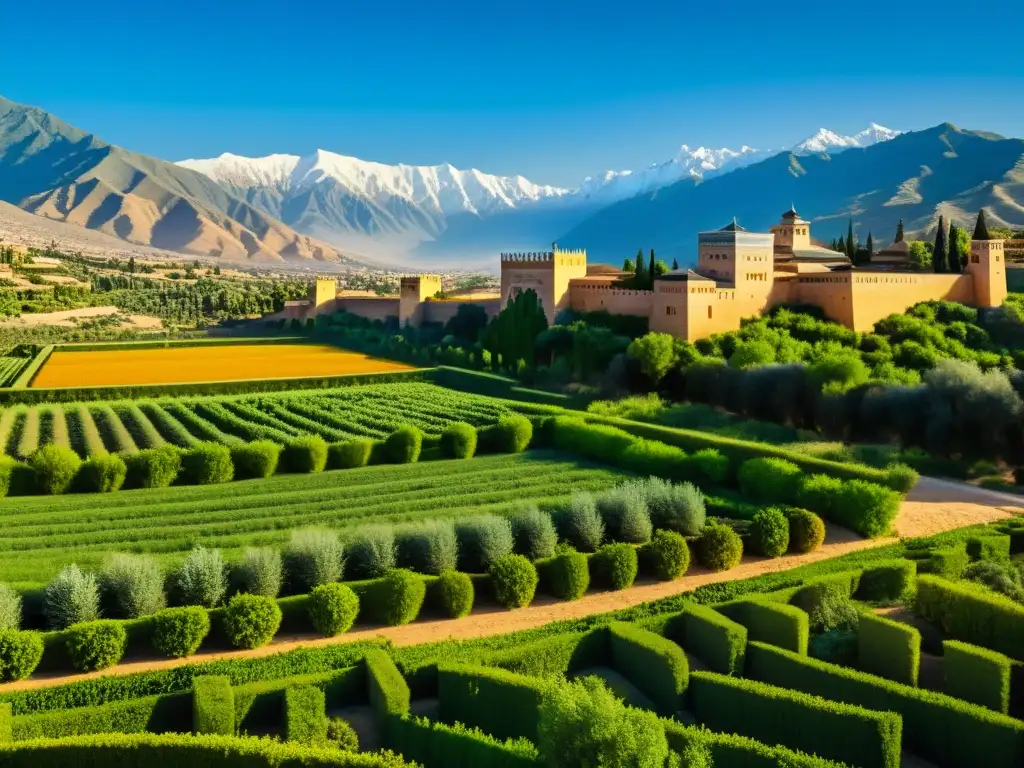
column 322, row 294
column 547, row 273
column 987, row 265
column 413, row 291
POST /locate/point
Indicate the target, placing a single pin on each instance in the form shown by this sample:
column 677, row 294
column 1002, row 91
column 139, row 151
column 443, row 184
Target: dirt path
column 932, row 507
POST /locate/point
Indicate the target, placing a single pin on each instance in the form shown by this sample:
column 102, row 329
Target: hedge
column 950, row 562
column 888, row 649
column 439, row 745
column 991, row 547
column 655, row 665
column 783, row 625
column 501, row 703
column 797, row 720
column 6, row 725
column 259, row 706
column 164, row 713
column 771, row 480
column 305, row 714
column 977, row 675
column 712, row 637
column 565, row 576
column 213, row 705
column 888, row 581
column 387, row 690
column 944, row 730
column 971, row 613
column 730, row 750
column 833, row 587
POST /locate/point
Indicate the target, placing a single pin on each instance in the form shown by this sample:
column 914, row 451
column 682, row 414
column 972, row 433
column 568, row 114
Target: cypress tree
column 627, row 265
column 871, row 247
column 940, row 254
column 899, row 232
column 953, row 254
column 851, row 244
column 841, row 245
column 650, row 273
column 640, row 275
column 675, row 264
column 981, row 227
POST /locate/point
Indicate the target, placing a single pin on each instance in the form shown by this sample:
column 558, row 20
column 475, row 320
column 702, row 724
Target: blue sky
column 552, row 89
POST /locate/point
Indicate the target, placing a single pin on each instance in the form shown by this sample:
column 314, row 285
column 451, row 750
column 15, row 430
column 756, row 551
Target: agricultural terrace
column 171, row 365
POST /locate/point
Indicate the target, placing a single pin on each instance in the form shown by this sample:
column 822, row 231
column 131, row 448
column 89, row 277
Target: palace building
column 738, row 274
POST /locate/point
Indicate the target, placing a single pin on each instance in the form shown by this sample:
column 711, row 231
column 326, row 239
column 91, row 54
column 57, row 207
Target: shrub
column 403, row 446
column 715, row 639
column 55, row 467
column 615, row 566
column 349, row 454
column 719, row 548
column 995, row 548
column 838, row 586
column 332, row 609
column 305, row 718
column 454, row 594
column 512, row 433
column 94, row 645
column 370, row 552
column 305, row 454
column 900, row 477
column 261, row 572
column 514, row 580
column 72, row 597
column 887, row 581
column 132, row 586
column 178, row 632
column 770, row 532
column 581, row 524
column 213, row 705
column 783, row 625
column 708, row 466
column 654, row 664
column 678, row 508
column 102, row 473
column 806, row 531
column 481, row 541
column 201, row 579
column 314, row 556
column 949, row 562
column 206, row 464
column 888, row 648
column 396, row 599
column 977, row 675
column 863, row 507
column 20, row 653
column 251, row 621
column 458, row 441
column 10, row 608
column 567, row 575
column 342, row 735
column 152, row 467
column 534, row 533
column 667, row 555
column 625, row 515
column 428, row 547
column 970, row 613
column 769, row 479
column 999, row 576
column 256, row 459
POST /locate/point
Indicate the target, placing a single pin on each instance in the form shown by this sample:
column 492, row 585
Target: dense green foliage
column 977, row 675
column 178, row 632
column 332, row 609
column 514, row 581
column 888, row 648
column 94, row 645
column 251, row 621
column 213, row 705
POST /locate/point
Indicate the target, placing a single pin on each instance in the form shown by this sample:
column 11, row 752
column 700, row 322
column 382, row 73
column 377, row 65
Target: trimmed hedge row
column 888, row 649
column 947, row 731
column 213, row 705
column 305, row 714
column 258, row 705
column 729, row 750
column 501, row 703
column 712, row 637
column 386, row 688
column 785, row 626
column 969, row 612
column 655, row 665
column 797, row 720
column 164, row 713
column 977, row 675
column 434, row 744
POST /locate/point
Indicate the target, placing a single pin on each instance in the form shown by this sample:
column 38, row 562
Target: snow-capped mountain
column 830, row 141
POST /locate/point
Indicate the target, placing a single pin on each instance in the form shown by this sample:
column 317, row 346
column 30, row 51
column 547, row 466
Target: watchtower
column 987, row 264
column 546, row 272
column 322, row 294
column 413, row 291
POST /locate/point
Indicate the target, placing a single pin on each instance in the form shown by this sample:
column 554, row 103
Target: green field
column 40, row 535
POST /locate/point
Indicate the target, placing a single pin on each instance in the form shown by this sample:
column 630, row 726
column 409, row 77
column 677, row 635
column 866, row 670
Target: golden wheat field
column 175, row 365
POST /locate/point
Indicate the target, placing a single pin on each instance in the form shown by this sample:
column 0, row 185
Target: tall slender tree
column 851, row 244
column 675, row 264
column 940, row 253
column 841, row 245
column 899, row 232
column 871, row 247
column 640, row 276
column 953, row 253
column 627, row 265
column 650, row 273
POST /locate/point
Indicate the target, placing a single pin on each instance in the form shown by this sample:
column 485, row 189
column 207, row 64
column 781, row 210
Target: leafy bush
column 10, row 608
column 534, row 533
column 428, row 547
column 625, row 515
column 332, row 609
column 806, row 531
column 251, row 621
column 256, row 459
column 863, row 507
column 514, row 580
column 94, row 645
column 178, row 632
column 1000, row 577
column 102, row 473
column 314, row 556
column 152, row 467
column 305, row 718
column 370, row 552
column 304, row 454
column 677, row 508
column 989, row 547
column 213, row 705
column 55, row 467
column 512, row 433
column 615, row 566
column 580, row 524
column 769, row 532
column 72, row 597
column 261, row 572
column 458, row 441
column 132, row 586
column 396, row 599
column 403, row 446
column 772, row 480
column 900, row 477
column 206, row 464
column 201, row 579
column 949, row 562
column 567, row 575
column 667, row 555
column 349, row 454
column 708, row 466
column 719, row 548
column 482, row 540
column 887, row 581
column 454, row 594
column 833, row 613
column 20, row 653
column 342, row 735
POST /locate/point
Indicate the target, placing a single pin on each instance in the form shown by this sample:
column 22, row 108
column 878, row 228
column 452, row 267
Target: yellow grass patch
column 217, row 362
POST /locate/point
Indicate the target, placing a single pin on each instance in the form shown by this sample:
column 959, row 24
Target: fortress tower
column 792, row 233
column 547, row 273
column 413, row 291
column 322, row 294
column 987, row 265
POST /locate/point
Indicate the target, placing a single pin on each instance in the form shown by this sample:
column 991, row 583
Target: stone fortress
column 738, row 274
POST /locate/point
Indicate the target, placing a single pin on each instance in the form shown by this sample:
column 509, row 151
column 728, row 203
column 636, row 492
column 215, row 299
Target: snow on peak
column 830, row 141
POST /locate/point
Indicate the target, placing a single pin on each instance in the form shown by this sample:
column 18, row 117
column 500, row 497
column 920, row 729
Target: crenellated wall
column 594, row 296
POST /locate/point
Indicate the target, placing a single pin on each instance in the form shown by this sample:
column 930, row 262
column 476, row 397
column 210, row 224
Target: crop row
column 10, row 367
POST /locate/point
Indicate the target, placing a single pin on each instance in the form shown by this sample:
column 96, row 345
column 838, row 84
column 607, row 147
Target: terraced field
column 42, row 534
column 368, row 411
